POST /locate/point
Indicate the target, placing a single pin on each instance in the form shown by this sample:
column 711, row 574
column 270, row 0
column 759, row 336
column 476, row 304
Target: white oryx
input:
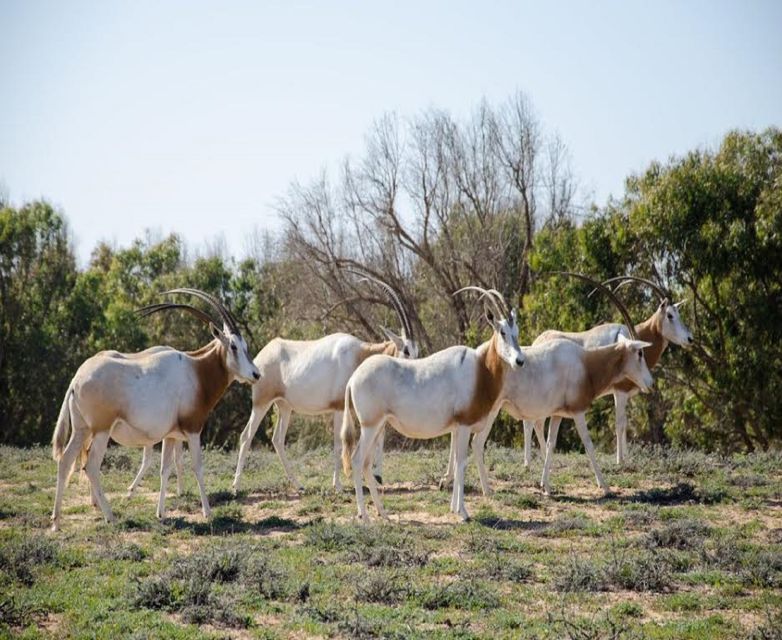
column 143, row 398
column 561, row 379
column 454, row 390
column 309, row 377
column 665, row 325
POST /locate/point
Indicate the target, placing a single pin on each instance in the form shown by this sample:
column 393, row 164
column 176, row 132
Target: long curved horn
column 154, row 308
column 484, row 293
column 623, row 280
column 392, row 296
column 613, row 297
column 501, row 300
column 219, row 307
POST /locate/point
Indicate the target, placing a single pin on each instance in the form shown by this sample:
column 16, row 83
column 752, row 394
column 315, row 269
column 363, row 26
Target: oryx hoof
column 378, row 478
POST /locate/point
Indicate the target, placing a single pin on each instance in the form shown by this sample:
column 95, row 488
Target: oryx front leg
column 620, row 401
column 336, row 419
column 278, row 440
column 478, row 450
column 146, row 461
column 94, row 460
column 245, row 440
column 462, row 440
column 551, row 444
column 581, row 427
column 194, row 446
column 166, row 458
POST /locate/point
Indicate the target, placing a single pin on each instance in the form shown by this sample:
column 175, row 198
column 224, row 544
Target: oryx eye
column 640, row 354
column 406, row 351
column 233, row 347
column 670, row 316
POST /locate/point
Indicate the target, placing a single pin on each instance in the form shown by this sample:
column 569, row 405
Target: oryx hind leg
column 369, row 476
column 448, row 477
column 551, row 444
column 79, row 433
column 97, row 450
column 461, row 436
column 278, row 440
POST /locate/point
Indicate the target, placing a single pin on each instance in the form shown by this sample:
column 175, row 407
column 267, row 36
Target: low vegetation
column 653, row 560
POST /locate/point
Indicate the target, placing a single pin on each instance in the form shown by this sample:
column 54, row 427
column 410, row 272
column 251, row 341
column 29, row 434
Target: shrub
column 682, row 534
column 462, row 594
column 381, row 587
column 265, row 578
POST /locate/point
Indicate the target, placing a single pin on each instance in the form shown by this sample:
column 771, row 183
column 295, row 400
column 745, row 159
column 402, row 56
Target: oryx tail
column 63, row 428
column 348, row 433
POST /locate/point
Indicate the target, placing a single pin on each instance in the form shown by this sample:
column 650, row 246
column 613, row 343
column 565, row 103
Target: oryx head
column 504, row 323
column 673, row 328
column 667, row 315
column 237, row 358
column 406, row 346
column 633, row 362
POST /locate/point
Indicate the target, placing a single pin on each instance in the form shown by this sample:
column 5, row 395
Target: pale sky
column 195, row 116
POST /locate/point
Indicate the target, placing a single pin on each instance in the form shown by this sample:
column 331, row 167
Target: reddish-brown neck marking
column 603, row 366
column 651, row 330
column 213, row 379
column 367, row 349
column 489, row 379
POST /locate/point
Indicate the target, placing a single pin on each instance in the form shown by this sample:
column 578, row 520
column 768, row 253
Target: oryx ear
column 512, row 318
column 639, row 344
column 664, row 303
column 397, row 340
column 679, row 304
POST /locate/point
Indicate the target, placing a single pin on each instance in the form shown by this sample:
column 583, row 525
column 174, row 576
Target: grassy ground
column 688, row 546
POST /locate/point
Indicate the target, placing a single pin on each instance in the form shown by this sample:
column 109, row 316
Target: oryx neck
column 603, row 364
column 490, row 376
column 212, row 378
column 651, row 330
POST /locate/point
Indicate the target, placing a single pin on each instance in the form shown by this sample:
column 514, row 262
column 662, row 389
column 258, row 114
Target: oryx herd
column 165, row 395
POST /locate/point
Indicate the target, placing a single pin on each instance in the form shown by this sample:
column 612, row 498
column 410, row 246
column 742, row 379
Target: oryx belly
column 422, row 396
column 149, row 394
column 309, row 375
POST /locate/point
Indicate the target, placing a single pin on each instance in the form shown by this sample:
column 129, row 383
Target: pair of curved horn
column 623, row 280
column 407, row 327
column 611, row 295
column 495, row 298
column 225, row 314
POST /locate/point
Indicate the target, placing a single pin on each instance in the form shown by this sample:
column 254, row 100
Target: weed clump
column 21, row 558
column 648, row 571
column 188, row 586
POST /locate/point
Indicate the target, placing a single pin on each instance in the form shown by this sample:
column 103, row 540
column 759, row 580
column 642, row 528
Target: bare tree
column 432, row 205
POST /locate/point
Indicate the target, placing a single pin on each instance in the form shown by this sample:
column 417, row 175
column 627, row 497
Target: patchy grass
column 688, row 545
